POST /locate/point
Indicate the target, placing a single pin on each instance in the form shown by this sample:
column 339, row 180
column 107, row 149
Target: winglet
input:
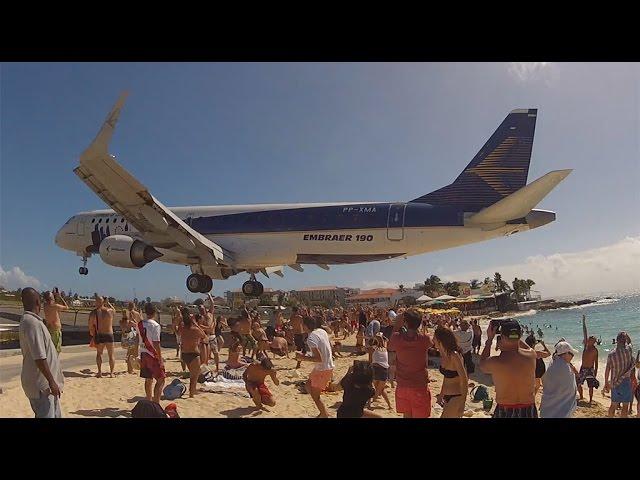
column 520, row 203
column 100, row 144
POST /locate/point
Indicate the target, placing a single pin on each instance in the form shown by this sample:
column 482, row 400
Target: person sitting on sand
column 191, row 336
column 513, row 371
column 589, row 368
column 358, row 391
column 453, row 394
column 233, row 359
column 380, row 367
column 254, row 377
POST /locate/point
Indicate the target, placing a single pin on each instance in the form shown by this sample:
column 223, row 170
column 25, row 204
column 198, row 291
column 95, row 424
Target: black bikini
column 449, row 374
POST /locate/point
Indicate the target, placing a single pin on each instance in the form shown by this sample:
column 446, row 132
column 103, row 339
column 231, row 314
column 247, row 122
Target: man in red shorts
column 151, row 362
column 413, row 398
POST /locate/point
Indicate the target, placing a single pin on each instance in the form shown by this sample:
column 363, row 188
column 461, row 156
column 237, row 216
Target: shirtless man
column 261, row 337
column 212, row 345
column 298, row 332
column 513, row 371
column 52, row 316
column 477, row 336
column 244, row 328
column 101, row 329
column 589, row 367
column 254, row 377
column 191, row 336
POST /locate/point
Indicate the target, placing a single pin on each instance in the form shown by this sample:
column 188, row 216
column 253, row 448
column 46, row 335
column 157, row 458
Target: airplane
column 489, row 199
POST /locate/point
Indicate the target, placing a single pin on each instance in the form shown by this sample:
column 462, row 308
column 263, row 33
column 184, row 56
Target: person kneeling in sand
column 279, row 345
column 254, row 377
column 358, row 389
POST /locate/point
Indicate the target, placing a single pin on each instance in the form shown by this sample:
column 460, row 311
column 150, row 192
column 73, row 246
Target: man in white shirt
column 41, row 378
column 320, row 353
column 151, row 362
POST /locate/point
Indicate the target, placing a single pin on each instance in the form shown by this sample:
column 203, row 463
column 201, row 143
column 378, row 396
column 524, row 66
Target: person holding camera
column 52, row 311
column 513, row 371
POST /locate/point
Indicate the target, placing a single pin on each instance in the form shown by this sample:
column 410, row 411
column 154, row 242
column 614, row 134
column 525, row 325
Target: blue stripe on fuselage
column 338, row 217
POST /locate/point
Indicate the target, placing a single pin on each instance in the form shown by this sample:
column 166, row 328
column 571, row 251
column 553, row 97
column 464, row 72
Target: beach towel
column 233, row 373
column 174, row 390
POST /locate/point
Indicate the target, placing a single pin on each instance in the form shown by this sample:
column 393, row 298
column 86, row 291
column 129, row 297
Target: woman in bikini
column 191, row 336
column 380, row 366
column 126, row 326
column 453, row 394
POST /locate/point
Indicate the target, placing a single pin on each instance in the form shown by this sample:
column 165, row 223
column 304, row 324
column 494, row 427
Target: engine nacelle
column 126, row 252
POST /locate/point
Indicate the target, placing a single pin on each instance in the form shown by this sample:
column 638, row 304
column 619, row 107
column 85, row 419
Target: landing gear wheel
column 83, row 270
column 207, row 284
column 252, row 288
column 195, row 283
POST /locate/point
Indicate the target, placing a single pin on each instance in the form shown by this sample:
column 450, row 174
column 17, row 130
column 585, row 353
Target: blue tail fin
column 499, row 169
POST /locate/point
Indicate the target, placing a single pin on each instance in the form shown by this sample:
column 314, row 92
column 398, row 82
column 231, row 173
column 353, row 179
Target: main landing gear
column 252, row 287
column 83, row 270
column 197, row 283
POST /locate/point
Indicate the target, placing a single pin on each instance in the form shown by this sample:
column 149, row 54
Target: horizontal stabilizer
column 520, row 203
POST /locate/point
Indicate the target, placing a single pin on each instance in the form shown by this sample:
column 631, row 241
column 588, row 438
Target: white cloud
column 611, row 268
column 16, row 278
column 524, row 71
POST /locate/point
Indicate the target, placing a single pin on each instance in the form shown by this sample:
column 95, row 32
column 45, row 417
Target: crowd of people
column 397, row 344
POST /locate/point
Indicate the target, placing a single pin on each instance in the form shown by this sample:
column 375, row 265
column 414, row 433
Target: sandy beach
column 86, row 396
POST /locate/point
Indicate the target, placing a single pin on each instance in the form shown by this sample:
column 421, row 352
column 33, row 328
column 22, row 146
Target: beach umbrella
column 445, row 297
column 423, row 299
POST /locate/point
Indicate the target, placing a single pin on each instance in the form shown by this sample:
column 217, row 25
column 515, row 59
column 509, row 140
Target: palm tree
column 432, row 285
column 474, row 283
column 401, row 288
column 530, row 283
column 501, row 285
column 452, row 288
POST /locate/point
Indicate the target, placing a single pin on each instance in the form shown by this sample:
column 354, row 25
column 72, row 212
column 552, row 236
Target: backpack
column 481, row 393
column 174, row 390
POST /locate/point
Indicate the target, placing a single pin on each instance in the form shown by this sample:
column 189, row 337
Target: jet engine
column 126, row 252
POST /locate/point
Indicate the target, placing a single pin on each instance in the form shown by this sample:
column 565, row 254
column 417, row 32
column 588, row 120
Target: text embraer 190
column 489, row 199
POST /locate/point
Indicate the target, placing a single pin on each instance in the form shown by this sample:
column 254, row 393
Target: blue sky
column 207, row 134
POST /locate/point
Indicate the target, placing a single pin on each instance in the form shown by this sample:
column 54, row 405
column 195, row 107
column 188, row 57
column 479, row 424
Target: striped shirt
column 620, row 361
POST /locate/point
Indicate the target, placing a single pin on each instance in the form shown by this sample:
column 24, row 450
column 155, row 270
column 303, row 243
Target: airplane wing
column 121, row 191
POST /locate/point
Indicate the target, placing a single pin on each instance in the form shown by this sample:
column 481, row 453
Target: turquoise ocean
column 605, row 319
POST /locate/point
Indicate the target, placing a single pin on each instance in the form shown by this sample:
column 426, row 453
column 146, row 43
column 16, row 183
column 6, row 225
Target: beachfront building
column 327, row 295
column 236, row 299
column 377, row 296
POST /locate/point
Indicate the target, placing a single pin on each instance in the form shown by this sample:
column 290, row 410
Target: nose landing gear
column 252, row 288
column 84, row 270
column 197, row 283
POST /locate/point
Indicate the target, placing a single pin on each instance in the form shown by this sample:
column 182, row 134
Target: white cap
column 564, row 347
